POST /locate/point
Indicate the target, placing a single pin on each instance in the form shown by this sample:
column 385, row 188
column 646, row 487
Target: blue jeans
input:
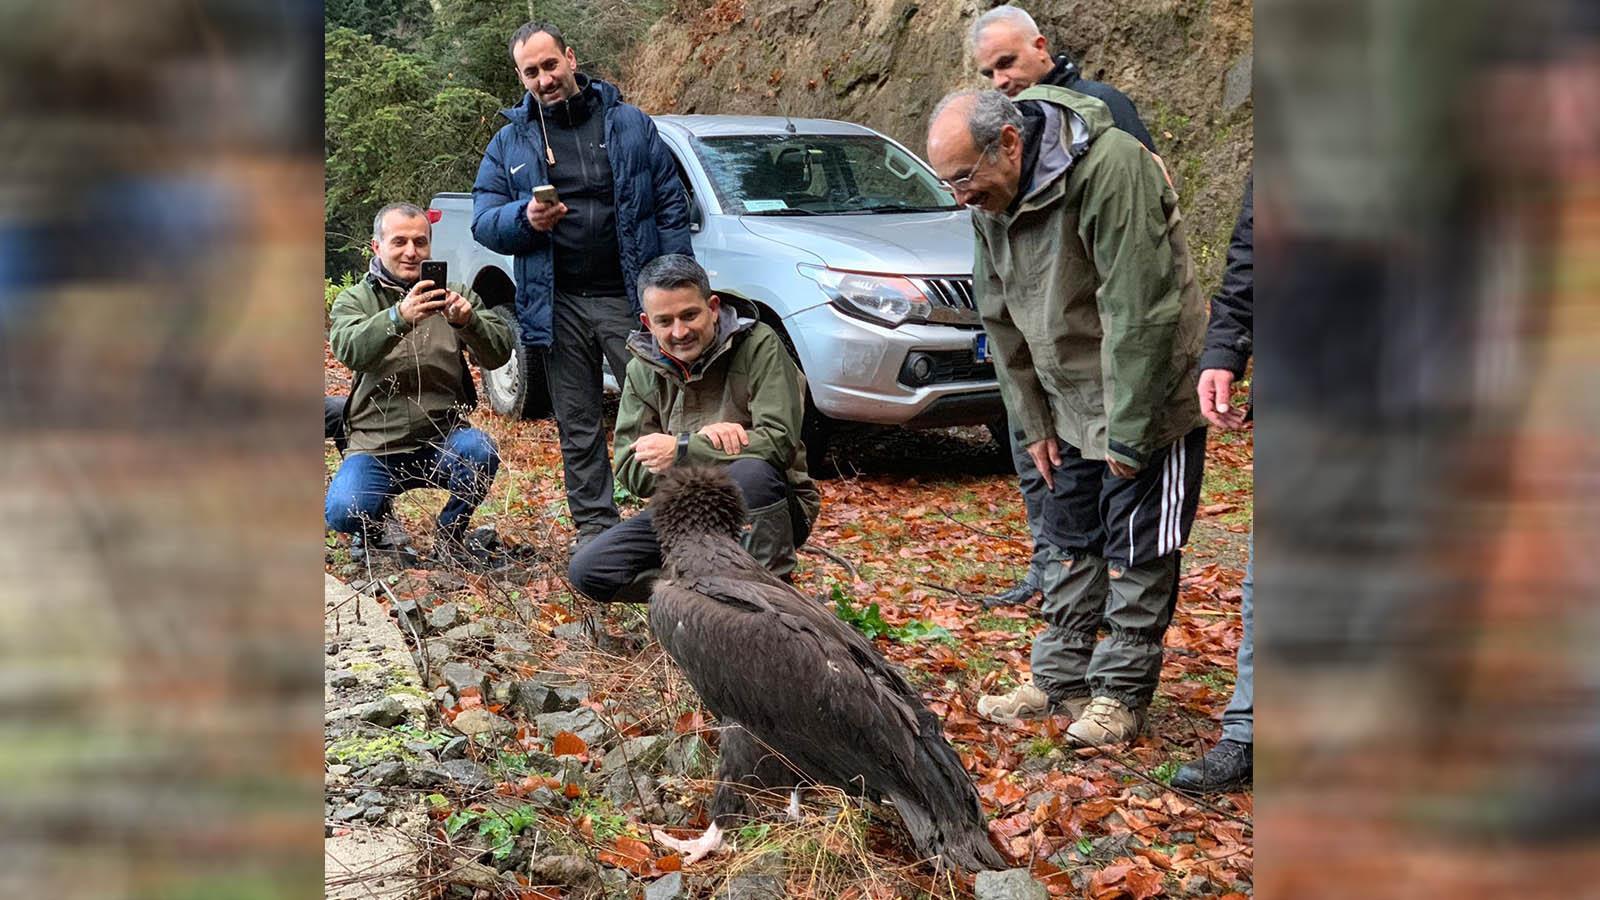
column 365, row 485
column 1239, row 719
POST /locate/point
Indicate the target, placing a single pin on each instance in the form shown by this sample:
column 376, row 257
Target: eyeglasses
column 964, row 182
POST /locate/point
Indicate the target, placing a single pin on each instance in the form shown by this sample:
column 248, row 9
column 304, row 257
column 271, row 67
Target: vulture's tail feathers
column 943, row 814
column 694, row 501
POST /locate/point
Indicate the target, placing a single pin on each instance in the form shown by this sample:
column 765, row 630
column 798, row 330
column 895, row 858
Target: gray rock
column 570, row 770
column 615, row 883
column 462, row 772
column 459, row 676
column 502, row 693
column 445, row 616
column 629, row 789
column 667, row 887
column 420, row 748
column 371, row 798
column 1237, row 84
column 375, row 814
column 349, row 813
column 467, row 773
column 572, row 871
column 390, row 773
column 544, row 798
column 385, row 712
column 1011, row 884
column 408, row 609
column 1145, row 791
column 455, row 748
column 473, row 637
column 1198, row 885
column 689, row 755
column 582, row 722
column 439, row 651
column 338, row 770
column 342, row 679
column 536, row 697
column 481, row 724
column 753, row 887
column 642, row 754
column 1181, row 837
column 569, row 631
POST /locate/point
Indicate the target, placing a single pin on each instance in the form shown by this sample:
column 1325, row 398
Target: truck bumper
column 853, row 368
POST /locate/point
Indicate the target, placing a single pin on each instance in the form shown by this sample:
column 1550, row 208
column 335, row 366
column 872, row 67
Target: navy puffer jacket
column 652, row 209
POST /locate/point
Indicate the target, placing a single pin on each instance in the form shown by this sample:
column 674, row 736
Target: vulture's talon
column 693, row 851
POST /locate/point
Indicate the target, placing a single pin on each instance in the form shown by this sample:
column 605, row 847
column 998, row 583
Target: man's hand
column 1046, row 458
column 422, row 301
column 457, row 309
column 729, row 437
column 1120, row 469
column 656, row 452
column 1216, row 386
column 544, row 216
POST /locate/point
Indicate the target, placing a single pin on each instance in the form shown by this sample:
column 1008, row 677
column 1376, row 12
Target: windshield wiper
column 872, row 210
column 791, row 211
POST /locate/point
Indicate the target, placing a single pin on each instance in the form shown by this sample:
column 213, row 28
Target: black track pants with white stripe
column 1117, row 566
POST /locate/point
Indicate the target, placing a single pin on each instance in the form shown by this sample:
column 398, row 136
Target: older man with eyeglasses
column 1087, row 291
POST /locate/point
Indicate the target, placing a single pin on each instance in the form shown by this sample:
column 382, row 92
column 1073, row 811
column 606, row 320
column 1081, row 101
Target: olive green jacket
column 412, row 385
column 746, row 377
column 1087, row 291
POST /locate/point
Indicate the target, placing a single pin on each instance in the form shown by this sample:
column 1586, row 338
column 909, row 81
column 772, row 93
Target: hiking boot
column 387, row 541
column 1026, row 702
column 1226, row 767
column 1105, row 721
column 453, row 548
column 1017, row 595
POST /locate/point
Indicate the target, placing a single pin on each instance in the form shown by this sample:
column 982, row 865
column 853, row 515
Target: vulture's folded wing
column 800, row 679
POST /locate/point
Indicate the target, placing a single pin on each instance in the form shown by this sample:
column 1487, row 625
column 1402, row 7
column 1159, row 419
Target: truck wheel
column 816, row 432
column 518, row 389
column 1000, row 455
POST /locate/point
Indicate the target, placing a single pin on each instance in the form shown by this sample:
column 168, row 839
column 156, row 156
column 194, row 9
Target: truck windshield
column 833, row 174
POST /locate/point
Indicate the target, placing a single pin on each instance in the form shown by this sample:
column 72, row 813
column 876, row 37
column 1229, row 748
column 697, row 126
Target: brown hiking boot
column 1105, row 721
column 1026, row 702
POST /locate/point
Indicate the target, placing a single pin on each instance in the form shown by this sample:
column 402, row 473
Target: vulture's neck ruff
column 693, row 503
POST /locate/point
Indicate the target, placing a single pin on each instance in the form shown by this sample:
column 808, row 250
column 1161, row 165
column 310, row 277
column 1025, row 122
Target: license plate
column 980, row 348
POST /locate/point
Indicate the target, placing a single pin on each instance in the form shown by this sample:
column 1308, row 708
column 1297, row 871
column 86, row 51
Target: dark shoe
column 1226, row 767
column 388, row 541
column 1017, row 595
column 454, row 548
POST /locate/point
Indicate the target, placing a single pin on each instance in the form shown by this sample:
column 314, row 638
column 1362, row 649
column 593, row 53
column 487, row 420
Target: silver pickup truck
column 842, row 238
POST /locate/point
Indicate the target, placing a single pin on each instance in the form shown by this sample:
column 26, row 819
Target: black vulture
column 805, row 684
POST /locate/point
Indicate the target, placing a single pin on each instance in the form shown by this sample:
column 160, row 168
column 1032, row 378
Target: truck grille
column 952, row 299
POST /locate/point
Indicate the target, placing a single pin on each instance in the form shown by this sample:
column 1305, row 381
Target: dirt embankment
column 885, row 63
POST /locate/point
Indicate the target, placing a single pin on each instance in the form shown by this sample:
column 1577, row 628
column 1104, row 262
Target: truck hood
column 937, row 243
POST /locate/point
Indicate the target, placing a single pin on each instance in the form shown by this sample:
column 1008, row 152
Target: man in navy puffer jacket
column 577, row 260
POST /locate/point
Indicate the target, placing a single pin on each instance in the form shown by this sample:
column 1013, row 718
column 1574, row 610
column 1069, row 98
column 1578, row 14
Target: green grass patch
column 1164, row 772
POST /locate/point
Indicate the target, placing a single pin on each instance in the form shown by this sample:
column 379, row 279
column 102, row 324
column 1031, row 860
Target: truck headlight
column 887, row 299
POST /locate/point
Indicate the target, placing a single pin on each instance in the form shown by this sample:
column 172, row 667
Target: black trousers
column 612, row 561
column 1117, row 568
column 586, row 330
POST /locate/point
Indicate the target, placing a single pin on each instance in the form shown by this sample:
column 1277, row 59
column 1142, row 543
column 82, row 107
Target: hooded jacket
column 1124, row 114
column 1087, row 291
column 412, row 383
column 651, row 209
column 745, row 376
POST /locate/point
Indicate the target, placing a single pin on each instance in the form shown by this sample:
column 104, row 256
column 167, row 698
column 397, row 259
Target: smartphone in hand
column 436, row 271
column 546, row 194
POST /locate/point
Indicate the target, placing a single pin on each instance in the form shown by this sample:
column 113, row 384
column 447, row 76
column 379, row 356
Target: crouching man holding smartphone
column 402, row 331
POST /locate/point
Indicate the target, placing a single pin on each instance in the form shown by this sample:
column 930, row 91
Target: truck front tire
column 519, row 389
